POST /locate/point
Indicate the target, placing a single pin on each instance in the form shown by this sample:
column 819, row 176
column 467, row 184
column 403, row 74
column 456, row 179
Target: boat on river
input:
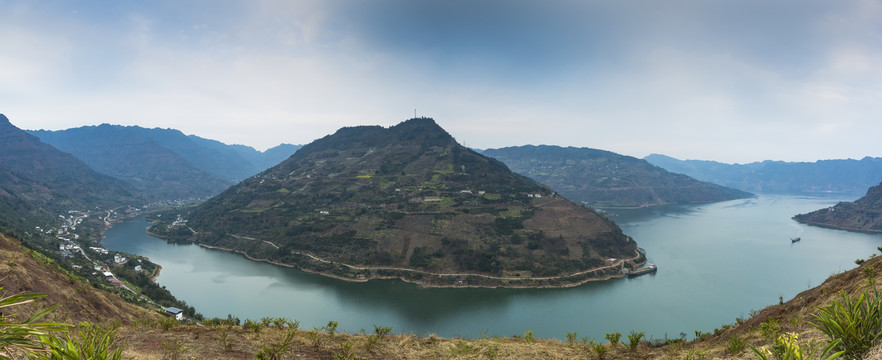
column 651, row 268
column 793, row 240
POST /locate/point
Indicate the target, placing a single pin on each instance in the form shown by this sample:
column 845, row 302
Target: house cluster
column 112, row 279
column 68, row 247
column 99, row 250
column 180, row 221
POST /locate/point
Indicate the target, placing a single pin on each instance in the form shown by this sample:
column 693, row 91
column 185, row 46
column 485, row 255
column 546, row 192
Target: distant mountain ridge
column 864, row 214
column 406, row 197
column 608, row 180
column 823, row 176
column 164, row 163
column 38, row 181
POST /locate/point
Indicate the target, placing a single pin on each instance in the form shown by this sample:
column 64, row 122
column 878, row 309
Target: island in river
column 407, row 202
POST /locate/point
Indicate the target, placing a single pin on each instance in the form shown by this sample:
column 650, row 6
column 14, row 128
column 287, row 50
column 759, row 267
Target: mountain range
column 37, row 182
column 164, row 163
column 605, row 179
column 845, row 176
column 406, row 201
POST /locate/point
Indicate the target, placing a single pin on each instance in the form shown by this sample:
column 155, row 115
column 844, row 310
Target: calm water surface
column 716, row 262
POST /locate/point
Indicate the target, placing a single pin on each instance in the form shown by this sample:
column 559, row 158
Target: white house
column 178, row 313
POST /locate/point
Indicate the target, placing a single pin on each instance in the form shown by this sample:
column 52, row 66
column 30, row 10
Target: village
column 96, row 261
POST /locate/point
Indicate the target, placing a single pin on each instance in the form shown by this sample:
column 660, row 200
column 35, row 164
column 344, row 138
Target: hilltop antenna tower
column 414, row 113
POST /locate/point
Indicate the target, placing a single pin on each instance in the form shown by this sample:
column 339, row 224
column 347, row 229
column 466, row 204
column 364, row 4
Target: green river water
column 716, row 262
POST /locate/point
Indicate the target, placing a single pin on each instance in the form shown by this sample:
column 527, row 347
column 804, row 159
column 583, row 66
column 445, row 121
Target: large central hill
column 408, row 201
column 608, row 180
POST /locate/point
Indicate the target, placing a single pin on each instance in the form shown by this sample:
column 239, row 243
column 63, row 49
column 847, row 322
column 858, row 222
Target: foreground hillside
column 847, row 176
column 408, row 202
column 608, row 180
column 25, row 271
column 864, row 214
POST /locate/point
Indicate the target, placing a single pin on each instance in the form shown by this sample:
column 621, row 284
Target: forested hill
column 846, row 176
column 410, row 197
column 37, row 182
column 864, row 214
column 608, row 180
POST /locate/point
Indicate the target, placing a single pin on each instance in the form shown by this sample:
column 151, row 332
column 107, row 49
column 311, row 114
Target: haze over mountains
column 164, row 163
column 823, row 176
column 37, row 181
column 406, row 196
column 608, row 180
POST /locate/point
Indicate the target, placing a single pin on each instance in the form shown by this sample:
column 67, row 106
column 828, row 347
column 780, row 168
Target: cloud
column 739, row 81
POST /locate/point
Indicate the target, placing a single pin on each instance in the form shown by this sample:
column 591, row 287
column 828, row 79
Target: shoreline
column 428, row 285
column 829, row 226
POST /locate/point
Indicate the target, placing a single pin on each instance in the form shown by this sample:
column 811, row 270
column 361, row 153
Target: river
column 716, row 262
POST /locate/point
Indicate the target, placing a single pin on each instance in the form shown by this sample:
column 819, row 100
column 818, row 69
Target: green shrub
column 528, row 336
column 167, row 323
column 382, row 331
column 90, row 341
column 613, row 338
column 736, row 344
column 277, row 349
column 634, row 339
column 253, row 326
column 787, row 346
column 770, row 329
column 856, row 323
column 571, row 337
column 599, row 349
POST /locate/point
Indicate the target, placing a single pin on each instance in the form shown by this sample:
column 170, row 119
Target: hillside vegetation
column 608, row 180
column 408, row 202
column 38, row 182
column 864, row 214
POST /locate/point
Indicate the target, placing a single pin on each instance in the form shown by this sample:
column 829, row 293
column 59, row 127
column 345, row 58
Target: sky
column 732, row 81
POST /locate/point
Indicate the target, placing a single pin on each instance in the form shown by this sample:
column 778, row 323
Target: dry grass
column 23, row 273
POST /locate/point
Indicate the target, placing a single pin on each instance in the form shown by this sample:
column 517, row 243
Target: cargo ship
column 647, row 270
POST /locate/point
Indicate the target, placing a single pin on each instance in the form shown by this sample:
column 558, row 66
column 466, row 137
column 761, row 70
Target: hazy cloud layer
column 732, row 81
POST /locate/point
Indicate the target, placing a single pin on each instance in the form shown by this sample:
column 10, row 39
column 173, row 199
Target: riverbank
column 445, row 280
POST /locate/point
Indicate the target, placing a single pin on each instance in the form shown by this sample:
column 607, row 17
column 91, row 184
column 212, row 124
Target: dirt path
column 620, row 263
